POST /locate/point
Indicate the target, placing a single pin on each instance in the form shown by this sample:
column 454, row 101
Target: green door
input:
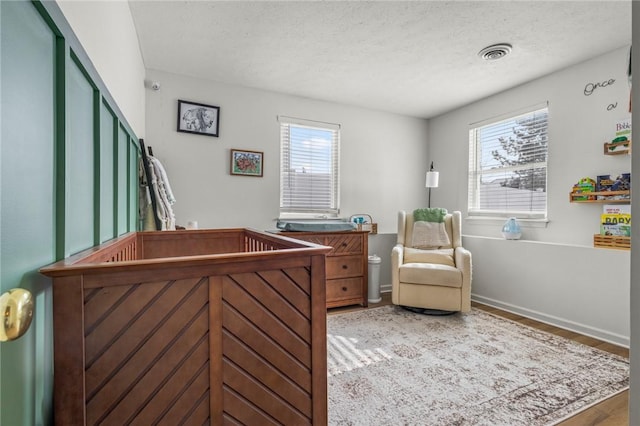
column 68, row 181
column 27, row 219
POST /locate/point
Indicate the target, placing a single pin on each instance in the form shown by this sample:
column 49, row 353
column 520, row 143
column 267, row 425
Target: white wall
column 554, row 274
column 106, row 31
column 555, row 283
column 383, row 156
column 578, row 127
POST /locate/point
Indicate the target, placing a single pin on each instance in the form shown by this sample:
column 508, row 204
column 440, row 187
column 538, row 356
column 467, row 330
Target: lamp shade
column 432, row 179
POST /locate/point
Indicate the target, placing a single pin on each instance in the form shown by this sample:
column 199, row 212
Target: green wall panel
column 27, row 224
column 133, row 187
column 107, row 204
column 79, row 161
column 123, row 181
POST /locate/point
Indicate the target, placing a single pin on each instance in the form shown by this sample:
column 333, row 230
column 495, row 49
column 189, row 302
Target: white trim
column 498, row 221
column 283, row 119
column 506, row 115
column 614, row 338
column 606, row 336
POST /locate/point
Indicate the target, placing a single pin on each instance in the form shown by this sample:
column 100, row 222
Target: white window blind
column 508, row 166
column 309, row 167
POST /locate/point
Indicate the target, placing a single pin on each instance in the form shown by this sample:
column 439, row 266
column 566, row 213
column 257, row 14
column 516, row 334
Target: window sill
column 495, row 221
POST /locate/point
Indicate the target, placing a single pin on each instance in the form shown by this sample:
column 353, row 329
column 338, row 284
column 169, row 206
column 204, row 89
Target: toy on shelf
column 619, row 145
column 584, row 186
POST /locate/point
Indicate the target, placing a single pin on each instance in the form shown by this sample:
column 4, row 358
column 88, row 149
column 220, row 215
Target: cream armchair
column 437, row 278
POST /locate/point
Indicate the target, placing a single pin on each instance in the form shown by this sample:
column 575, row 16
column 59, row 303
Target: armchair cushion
column 431, row 275
column 429, row 235
column 440, row 257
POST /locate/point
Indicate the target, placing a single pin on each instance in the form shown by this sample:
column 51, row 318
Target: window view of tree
column 526, row 146
column 508, row 166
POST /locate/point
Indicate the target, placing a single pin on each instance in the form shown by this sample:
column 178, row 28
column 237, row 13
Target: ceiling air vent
column 495, row 51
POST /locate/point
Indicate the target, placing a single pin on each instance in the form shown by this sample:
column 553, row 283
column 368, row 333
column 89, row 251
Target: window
column 508, row 166
column 309, row 168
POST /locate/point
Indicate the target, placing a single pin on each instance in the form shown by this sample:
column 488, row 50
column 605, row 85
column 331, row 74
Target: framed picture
column 246, row 163
column 199, row 119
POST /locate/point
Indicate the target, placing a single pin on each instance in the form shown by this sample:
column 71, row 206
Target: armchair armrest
column 397, row 255
column 397, row 258
column 462, row 257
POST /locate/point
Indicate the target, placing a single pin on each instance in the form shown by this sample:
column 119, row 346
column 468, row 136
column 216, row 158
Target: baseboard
column 586, row 330
column 616, row 339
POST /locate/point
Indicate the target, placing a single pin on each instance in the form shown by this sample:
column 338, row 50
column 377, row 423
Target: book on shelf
column 615, row 220
column 623, row 128
column 604, row 183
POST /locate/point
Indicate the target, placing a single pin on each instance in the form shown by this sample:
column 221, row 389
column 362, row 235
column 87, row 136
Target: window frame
column 476, row 172
column 333, row 210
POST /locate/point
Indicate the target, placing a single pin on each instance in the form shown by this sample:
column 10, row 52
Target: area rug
column 390, row 366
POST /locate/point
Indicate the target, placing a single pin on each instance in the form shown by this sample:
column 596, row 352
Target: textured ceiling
column 415, row 58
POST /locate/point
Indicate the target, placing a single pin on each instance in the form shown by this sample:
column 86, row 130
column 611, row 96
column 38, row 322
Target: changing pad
column 315, row 226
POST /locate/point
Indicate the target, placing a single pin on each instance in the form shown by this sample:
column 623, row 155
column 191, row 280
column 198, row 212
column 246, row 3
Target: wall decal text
column 589, row 88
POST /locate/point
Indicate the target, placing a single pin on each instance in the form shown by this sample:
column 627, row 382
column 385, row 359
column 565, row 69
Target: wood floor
column 611, row 412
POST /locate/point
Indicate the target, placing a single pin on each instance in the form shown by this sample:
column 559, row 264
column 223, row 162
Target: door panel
column 60, row 190
column 27, row 227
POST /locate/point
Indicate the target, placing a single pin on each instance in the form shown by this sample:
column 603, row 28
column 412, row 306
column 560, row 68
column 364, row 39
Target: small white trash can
column 374, row 279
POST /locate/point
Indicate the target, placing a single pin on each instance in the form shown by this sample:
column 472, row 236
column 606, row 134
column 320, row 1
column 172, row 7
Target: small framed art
column 199, row 119
column 246, row 163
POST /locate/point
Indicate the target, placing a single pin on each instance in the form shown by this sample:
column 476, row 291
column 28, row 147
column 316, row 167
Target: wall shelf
column 612, row 242
column 617, row 148
column 594, row 197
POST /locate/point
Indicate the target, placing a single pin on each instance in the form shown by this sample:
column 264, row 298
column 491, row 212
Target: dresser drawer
column 345, row 288
column 344, row 266
column 315, row 239
column 344, row 244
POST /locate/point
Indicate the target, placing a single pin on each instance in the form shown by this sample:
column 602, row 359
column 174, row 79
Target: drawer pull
column 344, row 288
column 344, row 244
column 345, row 267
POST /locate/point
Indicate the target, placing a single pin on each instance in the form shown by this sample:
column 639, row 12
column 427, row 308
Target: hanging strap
column 147, row 173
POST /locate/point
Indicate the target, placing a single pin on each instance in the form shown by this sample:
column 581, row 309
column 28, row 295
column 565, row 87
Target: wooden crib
column 224, row 326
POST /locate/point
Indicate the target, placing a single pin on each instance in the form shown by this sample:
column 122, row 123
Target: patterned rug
column 389, row 366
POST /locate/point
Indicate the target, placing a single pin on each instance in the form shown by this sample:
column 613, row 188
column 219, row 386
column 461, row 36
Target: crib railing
column 228, row 324
column 255, row 241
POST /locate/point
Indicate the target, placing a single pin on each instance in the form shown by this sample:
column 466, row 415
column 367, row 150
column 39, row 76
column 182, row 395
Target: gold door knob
column 16, row 308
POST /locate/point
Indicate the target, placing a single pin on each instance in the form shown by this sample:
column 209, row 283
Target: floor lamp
column 432, row 181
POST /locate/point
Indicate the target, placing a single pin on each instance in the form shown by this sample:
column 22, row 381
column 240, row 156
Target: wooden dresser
column 346, row 264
